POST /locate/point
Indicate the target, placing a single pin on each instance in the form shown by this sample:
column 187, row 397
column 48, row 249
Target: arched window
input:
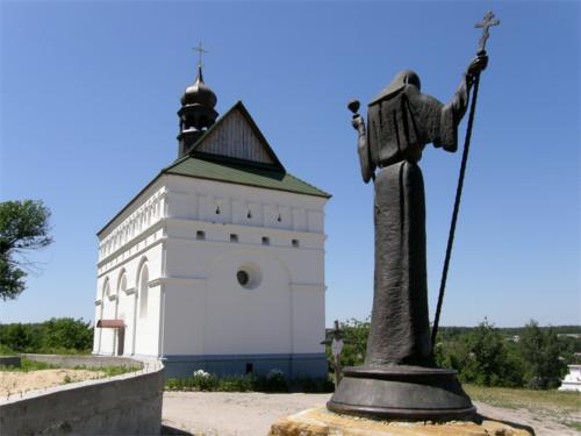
column 143, row 290
column 122, row 285
column 106, row 290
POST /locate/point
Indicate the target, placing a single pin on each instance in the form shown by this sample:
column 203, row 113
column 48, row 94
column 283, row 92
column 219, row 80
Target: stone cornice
column 138, row 253
column 130, row 291
column 176, row 281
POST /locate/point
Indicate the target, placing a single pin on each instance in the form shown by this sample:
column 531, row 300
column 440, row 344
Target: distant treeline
column 529, row 356
column 453, row 332
column 57, row 335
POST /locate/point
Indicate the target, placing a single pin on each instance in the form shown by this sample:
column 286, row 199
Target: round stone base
column 402, row 392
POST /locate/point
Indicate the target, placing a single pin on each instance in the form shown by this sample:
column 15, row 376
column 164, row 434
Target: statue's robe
column 401, row 121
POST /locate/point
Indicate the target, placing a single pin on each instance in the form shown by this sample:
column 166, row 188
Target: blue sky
column 89, row 94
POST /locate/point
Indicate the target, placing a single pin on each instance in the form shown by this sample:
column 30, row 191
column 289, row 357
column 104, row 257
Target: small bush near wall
column 315, row 385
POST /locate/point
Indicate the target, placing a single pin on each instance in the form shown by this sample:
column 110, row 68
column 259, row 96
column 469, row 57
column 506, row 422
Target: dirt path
column 15, row 382
column 246, row 414
column 251, row 414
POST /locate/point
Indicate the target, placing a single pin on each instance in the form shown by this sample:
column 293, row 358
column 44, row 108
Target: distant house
column 218, row 263
column 572, row 381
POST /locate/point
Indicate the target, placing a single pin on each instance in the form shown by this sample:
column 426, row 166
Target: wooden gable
column 236, row 136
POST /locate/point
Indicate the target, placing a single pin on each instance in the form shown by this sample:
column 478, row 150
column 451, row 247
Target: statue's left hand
column 478, row 64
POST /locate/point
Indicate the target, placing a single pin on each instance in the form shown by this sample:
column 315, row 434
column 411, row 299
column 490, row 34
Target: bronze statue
column 402, row 120
column 399, row 378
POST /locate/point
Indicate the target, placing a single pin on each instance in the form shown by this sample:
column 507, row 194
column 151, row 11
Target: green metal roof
column 239, row 172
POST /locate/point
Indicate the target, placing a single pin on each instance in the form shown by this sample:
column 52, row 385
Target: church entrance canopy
column 120, row 333
column 111, row 323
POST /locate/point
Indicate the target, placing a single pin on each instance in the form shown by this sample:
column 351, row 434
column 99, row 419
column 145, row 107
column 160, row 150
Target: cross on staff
column 200, row 51
column 488, row 21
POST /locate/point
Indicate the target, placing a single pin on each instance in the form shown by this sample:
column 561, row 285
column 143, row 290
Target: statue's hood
column 401, row 80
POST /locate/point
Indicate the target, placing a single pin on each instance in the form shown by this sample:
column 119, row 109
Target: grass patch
column 6, row 351
column 557, row 406
column 575, row 425
column 35, row 365
column 548, row 401
column 28, row 365
column 110, row 371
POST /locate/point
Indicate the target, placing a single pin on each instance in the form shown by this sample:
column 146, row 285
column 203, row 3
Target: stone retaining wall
column 72, row 361
column 127, row 404
column 14, row 361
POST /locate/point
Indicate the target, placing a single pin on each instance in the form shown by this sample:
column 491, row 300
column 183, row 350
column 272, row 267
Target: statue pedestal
column 407, row 393
column 321, row 422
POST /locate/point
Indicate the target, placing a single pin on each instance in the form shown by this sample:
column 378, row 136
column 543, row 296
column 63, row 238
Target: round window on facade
column 243, row 278
column 249, row 275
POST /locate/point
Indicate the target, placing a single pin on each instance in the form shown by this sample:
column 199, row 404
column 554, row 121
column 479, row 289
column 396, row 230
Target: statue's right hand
column 357, row 122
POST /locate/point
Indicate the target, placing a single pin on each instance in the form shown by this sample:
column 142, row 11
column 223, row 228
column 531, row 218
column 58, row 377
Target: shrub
column 204, row 381
column 318, row 385
column 174, row 384
column 237, row 383
column 273, row 382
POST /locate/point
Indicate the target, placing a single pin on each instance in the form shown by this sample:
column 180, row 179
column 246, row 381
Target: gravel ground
column 251, row 414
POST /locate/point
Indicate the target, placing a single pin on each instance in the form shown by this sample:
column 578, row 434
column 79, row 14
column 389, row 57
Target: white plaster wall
column 143, row 212
column 185, row 310
column 308, row 302
column 195, row 304
column 148, row 325
column 125, row 251
column 210, row 312
column 197, row 199
column 253, row 320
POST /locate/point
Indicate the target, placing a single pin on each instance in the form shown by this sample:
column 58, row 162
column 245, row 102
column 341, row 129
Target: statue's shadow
column 478, row 419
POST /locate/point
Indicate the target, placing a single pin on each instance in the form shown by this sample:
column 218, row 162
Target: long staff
column 489, row 20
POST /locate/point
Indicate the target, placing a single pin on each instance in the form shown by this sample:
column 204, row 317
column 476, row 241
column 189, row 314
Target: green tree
column 67, row 333
column 23, row 227
column 355, row 334
column 21, row 337
column 489, row 362
column 570, row 348
column 453, row 354
column 541, row 353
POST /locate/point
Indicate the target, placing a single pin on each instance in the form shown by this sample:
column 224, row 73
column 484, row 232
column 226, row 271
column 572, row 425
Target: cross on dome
column 201, row 50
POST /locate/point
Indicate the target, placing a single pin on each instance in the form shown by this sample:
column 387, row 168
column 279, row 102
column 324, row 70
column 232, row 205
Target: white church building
column 218, row 263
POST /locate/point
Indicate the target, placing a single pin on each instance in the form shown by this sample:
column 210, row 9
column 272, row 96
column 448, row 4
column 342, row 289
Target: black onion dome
column 199, row 93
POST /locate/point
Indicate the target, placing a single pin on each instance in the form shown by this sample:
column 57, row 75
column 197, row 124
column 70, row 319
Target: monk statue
column 401, row 121
column 399, row 378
